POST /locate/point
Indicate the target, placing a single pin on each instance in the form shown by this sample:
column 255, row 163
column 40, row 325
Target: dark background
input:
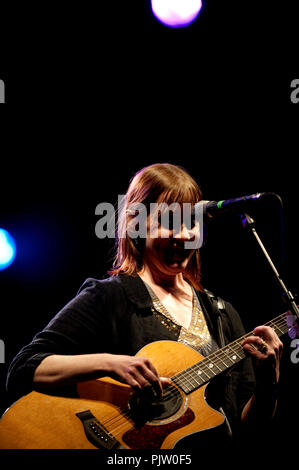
column 95, row 94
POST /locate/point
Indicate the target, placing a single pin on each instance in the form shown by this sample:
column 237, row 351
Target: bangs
column 181, row 194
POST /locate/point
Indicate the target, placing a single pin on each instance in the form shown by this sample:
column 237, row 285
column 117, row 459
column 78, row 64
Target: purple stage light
column 176, row 13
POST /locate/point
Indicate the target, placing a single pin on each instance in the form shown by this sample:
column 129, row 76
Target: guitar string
column 217, row 356
column 119, row 423
column 213, row 360
column 171, row 390
column 122, row 423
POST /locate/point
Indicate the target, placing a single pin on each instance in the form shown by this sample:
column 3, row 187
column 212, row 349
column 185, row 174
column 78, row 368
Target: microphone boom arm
column 287, row 296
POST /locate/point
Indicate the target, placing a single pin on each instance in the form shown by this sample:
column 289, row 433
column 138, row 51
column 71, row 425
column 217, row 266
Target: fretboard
column 221, row 360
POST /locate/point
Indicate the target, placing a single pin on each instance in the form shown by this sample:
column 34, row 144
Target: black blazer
column 114, row 315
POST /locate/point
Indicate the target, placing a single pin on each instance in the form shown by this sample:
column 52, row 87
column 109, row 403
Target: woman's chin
column 177, row 264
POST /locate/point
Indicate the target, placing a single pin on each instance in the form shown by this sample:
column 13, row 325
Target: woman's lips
column 176, row 254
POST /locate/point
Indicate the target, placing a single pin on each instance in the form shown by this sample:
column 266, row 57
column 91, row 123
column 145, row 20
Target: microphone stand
column 287, row 296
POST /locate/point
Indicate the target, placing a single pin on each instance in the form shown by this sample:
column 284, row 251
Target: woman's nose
column 183, row 234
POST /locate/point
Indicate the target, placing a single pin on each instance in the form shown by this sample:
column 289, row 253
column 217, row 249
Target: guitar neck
column 221, row 360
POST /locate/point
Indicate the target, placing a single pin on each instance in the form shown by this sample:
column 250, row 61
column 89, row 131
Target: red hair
column 160, row 183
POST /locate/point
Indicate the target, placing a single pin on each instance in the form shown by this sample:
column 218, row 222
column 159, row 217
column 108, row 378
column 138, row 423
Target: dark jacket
column 114, row 315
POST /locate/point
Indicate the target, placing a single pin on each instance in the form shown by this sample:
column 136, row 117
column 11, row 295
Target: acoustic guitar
column 108, row 415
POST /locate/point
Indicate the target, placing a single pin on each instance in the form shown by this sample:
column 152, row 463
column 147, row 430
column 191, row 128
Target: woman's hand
column 136, row 371
column 266, row 347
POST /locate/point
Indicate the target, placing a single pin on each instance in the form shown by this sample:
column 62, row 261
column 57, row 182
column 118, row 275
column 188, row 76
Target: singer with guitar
column 120, row 365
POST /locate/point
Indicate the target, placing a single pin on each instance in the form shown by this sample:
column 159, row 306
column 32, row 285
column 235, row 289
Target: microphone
column 237, row 205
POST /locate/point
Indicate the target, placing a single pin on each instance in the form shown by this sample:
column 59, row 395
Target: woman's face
column 166, row 245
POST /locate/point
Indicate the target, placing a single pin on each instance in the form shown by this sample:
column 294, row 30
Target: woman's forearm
column 260, row 408
column 59, row 370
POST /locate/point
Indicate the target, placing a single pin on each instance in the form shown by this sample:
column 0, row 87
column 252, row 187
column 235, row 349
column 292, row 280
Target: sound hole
column 144, row 407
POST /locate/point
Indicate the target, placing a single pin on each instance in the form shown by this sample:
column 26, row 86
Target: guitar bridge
column 96, row 433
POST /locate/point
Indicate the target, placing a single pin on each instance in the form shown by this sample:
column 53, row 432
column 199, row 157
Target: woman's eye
column 170, row 219
column 190, row 222
column 167, row 220
column 193, row 221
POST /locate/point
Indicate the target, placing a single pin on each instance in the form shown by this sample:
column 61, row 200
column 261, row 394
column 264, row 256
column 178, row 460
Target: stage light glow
column 176, row 13
column 7, row 249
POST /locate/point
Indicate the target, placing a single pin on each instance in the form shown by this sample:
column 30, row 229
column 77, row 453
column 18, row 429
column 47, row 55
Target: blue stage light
column 7, row 249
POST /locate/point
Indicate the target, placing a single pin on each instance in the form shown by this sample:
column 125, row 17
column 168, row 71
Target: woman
column 152, row 293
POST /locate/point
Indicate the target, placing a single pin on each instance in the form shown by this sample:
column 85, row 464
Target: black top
column 115, row 316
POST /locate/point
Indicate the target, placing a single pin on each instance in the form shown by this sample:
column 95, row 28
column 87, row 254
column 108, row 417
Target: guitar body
column 41, row 421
